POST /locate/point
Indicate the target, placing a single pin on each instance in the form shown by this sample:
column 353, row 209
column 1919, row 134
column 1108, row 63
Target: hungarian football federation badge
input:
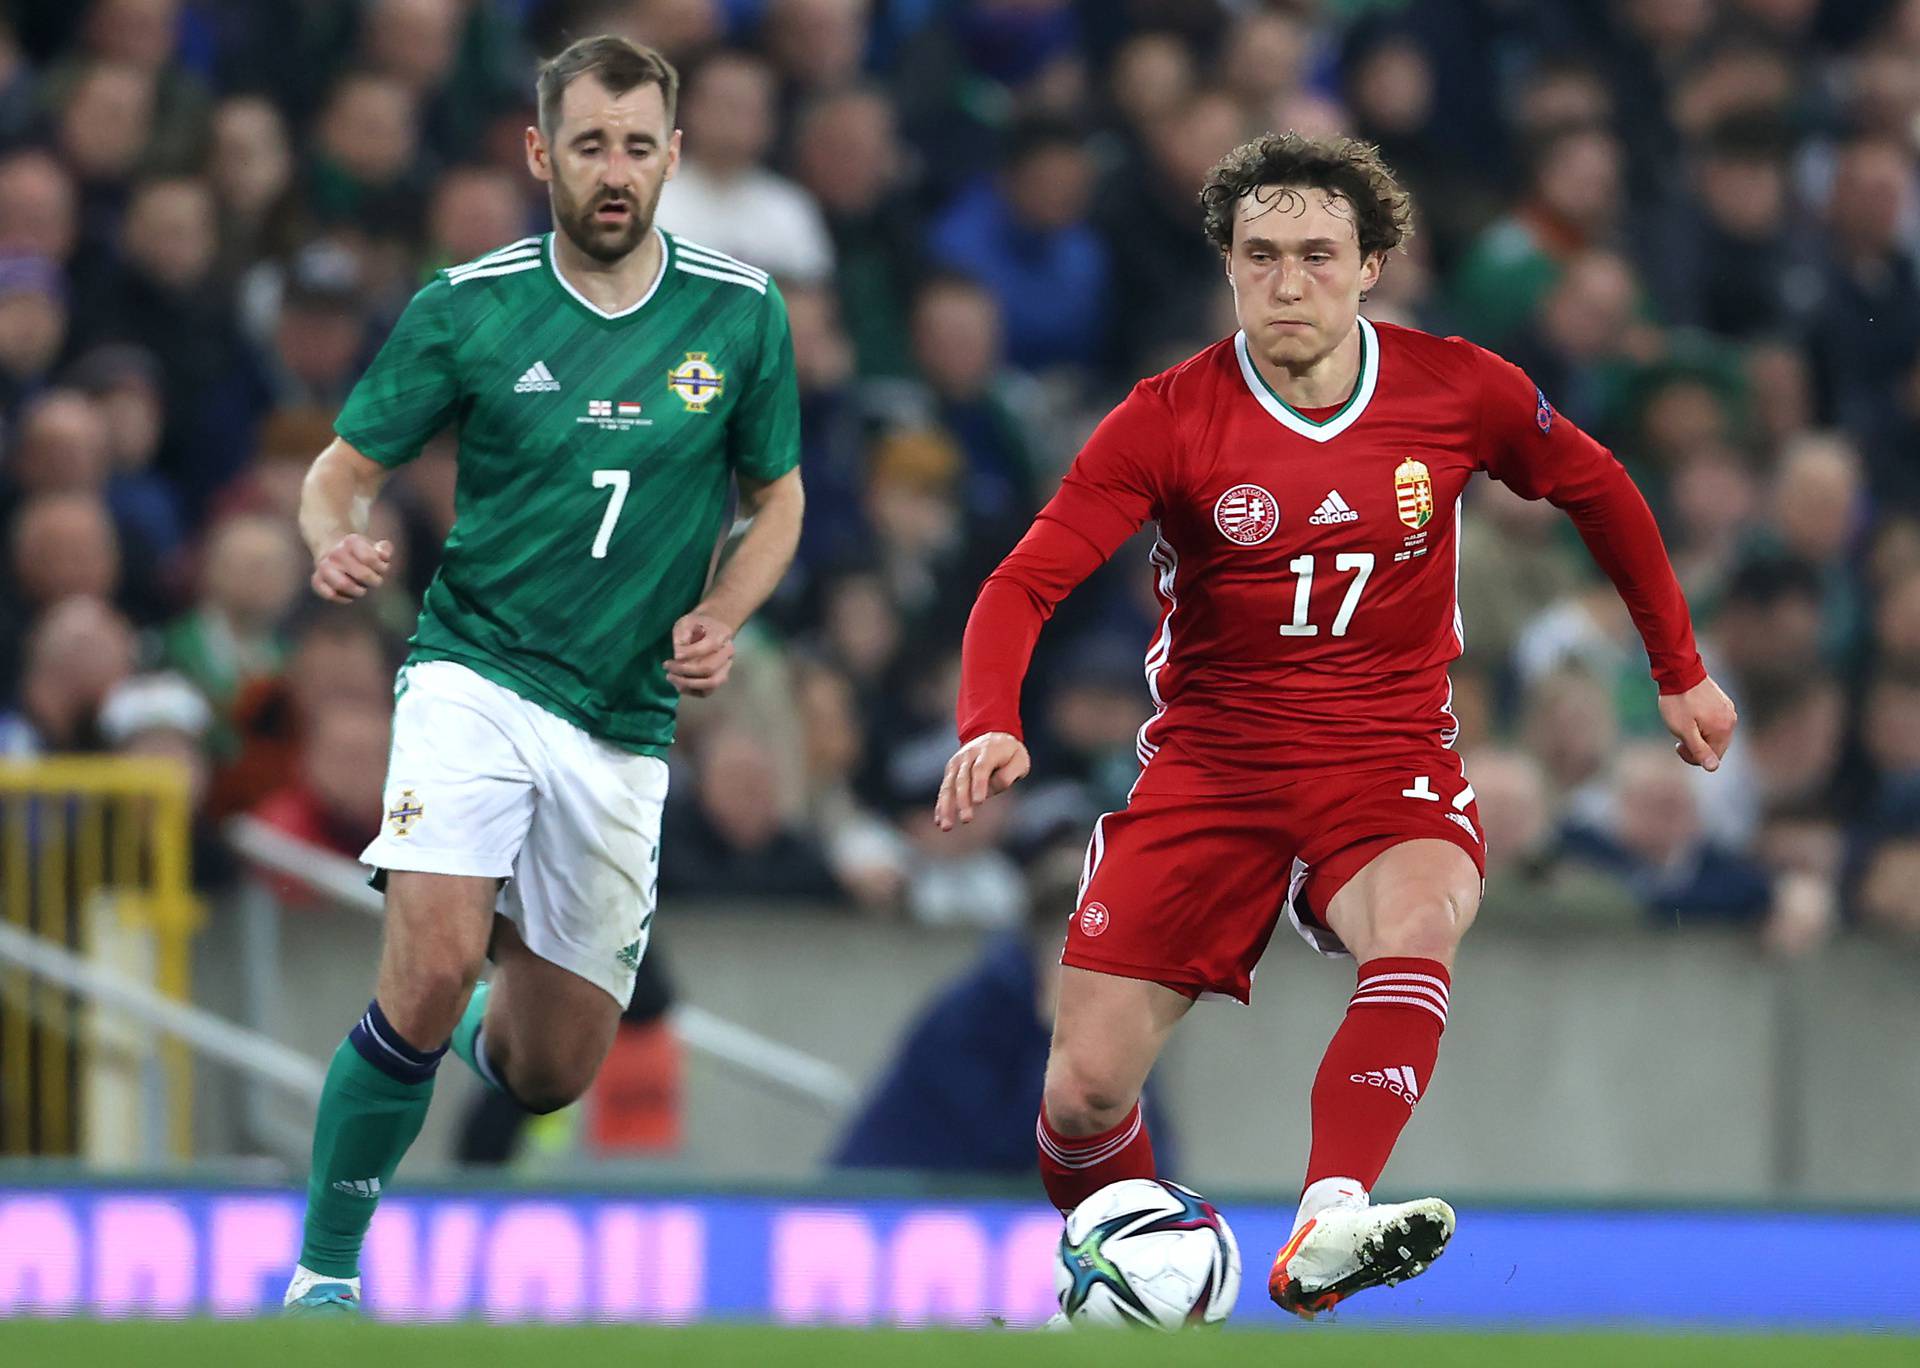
column 696, row 382
column 1246, row 514
column 1413, row 493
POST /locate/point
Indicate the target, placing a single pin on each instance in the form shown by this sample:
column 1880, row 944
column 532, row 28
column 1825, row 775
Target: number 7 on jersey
column 620, row 480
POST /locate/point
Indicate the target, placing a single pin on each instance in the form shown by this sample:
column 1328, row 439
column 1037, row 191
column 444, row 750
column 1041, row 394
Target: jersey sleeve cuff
column 1677, row 680
column 380, row 453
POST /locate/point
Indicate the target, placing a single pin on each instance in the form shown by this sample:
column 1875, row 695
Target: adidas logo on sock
column 1333, row 509
column 1398, row 1080
column 537, row 380
column 359, row 1187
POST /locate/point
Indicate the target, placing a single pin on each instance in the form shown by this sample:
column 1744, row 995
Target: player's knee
column 1424, row 923
column 544, row 1090
column 1080, row 1101
column 424, row 1005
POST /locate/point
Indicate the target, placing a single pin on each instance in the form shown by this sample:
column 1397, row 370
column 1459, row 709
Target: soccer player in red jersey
column 1305, row 476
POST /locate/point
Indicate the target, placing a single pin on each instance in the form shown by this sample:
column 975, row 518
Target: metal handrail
column 212, row 1035
column 772, row 1063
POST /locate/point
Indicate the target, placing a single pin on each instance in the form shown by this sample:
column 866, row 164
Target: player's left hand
column 702, row 654
column 1702, row 721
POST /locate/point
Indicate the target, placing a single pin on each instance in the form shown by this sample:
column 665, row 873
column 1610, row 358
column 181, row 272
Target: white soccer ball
column 1144, row 1252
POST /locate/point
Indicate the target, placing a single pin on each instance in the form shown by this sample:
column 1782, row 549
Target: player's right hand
column 354, row 566
column 990, row 763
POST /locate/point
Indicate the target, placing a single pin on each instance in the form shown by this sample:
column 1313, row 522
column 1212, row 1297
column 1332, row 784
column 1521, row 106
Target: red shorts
column 1186, row 891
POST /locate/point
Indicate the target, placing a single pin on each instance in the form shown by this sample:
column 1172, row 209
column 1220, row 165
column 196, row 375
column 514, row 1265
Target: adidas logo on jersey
column 1333, row 509
column 537, row 380
column 358, row 1187
column 1398, row 1080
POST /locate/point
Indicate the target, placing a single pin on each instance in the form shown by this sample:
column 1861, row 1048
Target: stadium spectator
column 832, row 432
column 475, row 209
column 76, row 654
column 33, row 326
column 1165, row 273
column 364, row 165
column 142, row 36
column 251, row 575
column 957, row 1095
column 320, row 331
column 1888, row 895
column 38, row 216
column 103, row 131
column 847, row 154
column 818, row 46
column 1890, row 737
column 251, row 167
column 724, row 197
column 729, row 836
column 336, row 658
column 124, row 384
column 967, row 391
column 1575, row 195
column 1869, row 274
column 19, row 92
column 332, row 800
column 1530, row 883
column 867, row 857
column 166, row 298
column 1025, row 236
column 1654, row 840
column 1733, row 256
column 62, row 545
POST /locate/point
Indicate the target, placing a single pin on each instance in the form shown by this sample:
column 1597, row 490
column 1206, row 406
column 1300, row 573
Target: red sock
column 1376, row 1067
column 1074, row 1167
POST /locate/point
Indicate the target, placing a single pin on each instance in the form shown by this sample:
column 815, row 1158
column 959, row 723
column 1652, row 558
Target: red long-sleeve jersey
column 1308, row 570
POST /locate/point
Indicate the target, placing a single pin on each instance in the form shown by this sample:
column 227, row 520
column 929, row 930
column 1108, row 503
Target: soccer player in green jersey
column 610, row 385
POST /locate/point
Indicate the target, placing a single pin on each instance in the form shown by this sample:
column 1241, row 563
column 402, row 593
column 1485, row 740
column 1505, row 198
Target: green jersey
column 595, row 462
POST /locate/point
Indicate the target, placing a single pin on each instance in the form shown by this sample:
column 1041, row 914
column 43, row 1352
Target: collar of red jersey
column 1291, row 418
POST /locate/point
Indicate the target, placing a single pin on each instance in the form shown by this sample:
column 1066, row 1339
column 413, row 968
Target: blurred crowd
column 1694, row 221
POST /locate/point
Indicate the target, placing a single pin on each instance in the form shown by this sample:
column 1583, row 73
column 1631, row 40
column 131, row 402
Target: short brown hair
column 617, row 63
column 1347, row 167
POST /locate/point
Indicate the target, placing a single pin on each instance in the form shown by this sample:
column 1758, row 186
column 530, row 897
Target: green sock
column 367, row 1121
column 467, row 1034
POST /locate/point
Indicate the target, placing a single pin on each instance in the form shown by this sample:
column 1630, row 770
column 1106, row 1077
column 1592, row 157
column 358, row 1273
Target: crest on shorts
column 404, row 813
column 1094, row 919
column 696, row 382
column 1246, row 515
column 1413, row 493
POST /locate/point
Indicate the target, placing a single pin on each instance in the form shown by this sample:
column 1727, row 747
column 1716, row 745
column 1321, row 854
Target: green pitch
column 311, row 1344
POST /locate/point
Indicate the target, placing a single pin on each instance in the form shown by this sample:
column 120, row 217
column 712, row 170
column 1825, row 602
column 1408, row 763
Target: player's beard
column 605, row 242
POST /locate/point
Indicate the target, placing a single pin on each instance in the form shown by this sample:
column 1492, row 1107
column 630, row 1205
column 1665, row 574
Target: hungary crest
column 1413, row 493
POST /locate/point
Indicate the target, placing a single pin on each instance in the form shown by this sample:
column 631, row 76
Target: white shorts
column 485, row 783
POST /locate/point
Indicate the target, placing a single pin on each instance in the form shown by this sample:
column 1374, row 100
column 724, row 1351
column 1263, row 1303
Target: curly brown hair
column 1346, row 167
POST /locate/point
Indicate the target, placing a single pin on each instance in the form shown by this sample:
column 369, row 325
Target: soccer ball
column 1147, row 1253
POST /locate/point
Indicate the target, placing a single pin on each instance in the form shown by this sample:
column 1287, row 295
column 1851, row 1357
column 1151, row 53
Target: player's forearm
column 1624, row 540
column 754, row 565
column 337, row 497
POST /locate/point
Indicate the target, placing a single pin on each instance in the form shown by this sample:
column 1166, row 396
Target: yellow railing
column 75, row 829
